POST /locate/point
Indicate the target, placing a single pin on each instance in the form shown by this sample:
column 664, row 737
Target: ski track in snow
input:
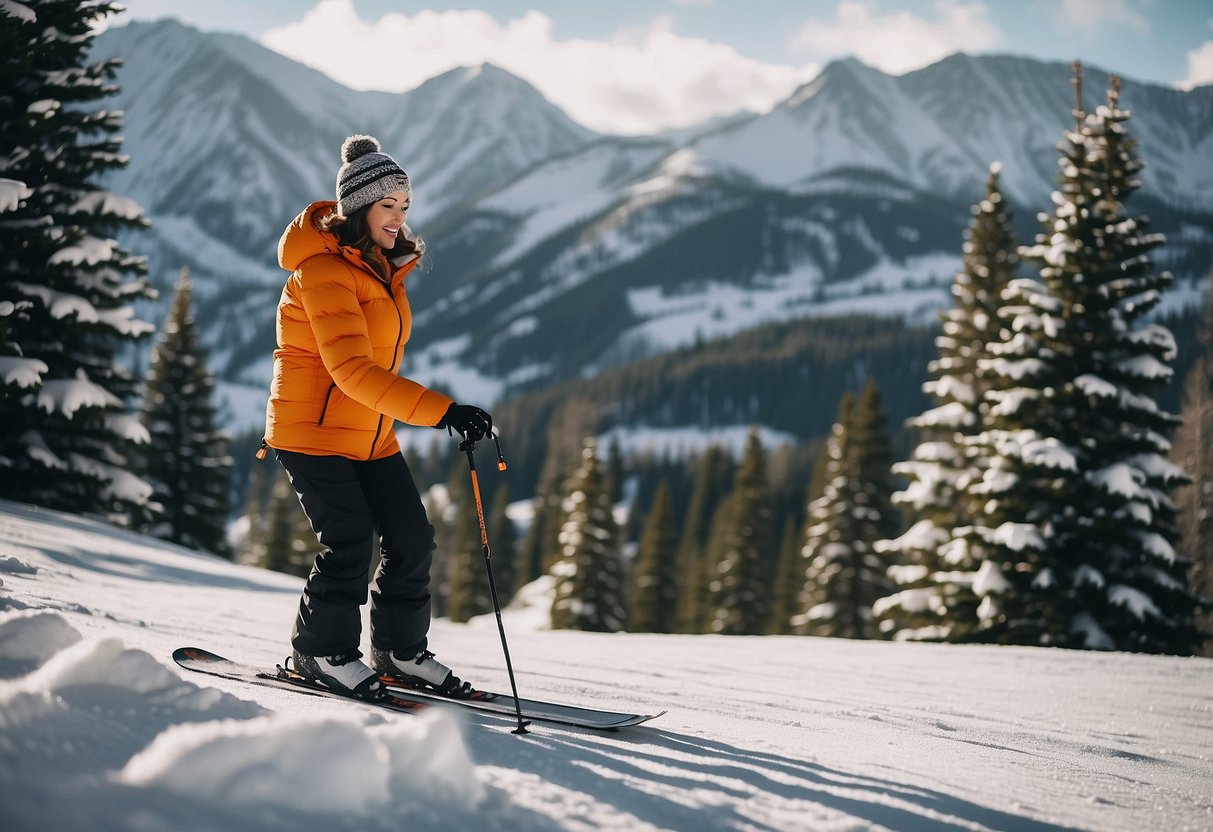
column 98, row 730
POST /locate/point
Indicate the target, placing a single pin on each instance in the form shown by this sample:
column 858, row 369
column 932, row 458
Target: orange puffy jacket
column 341, row 335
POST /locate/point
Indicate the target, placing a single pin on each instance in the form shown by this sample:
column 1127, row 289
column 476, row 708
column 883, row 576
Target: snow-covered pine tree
column 654, row 599
column 1076, row 529
column 843, row 575
column 574, row 419
column 743, row 547
column 186, row 460
column 1193, row 452
column 927, row 589
column 16, row 371
column 67, row 288
column 588, row 573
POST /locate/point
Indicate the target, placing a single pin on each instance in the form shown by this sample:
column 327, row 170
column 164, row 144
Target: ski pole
column 468, row 446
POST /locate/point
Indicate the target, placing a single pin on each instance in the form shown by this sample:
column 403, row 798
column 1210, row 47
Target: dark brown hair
column 353, row 231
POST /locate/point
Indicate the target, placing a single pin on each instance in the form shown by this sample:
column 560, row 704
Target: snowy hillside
column 99, row 732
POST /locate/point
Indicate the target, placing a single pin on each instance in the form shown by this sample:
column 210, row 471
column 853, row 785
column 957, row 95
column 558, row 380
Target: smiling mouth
column 392, row 231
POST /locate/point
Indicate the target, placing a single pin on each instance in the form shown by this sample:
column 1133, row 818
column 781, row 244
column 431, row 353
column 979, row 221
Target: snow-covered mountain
column 555, row 253
column 100, row 731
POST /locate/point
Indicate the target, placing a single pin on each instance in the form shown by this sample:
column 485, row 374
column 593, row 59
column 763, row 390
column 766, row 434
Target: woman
column 343, row 321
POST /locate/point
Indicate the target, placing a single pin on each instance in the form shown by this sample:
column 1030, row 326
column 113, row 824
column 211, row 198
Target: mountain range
column 556, row 253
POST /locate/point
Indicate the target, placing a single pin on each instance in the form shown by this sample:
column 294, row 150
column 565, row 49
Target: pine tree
column 186, row 462
column 249, row 536
column 468, row 584
column 788, row 580
column 575, row 418
column 654, row 599
column 447, row 505
column 616, row 470
column 743, row 546
column 1193, row 452
column 1076, row 534
column 67, row 290
column 927, row 588
column 589, row 581
column 283, row 539
column 504, row 542
column 873, row 461
column 696, row 571
column 843, row 575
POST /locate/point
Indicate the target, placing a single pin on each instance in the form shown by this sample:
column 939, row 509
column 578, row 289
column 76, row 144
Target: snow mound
column 71, row 705
column 15, row 566
column 83, row 678
column 105, row 662
column 348, row 768
column 26, row 638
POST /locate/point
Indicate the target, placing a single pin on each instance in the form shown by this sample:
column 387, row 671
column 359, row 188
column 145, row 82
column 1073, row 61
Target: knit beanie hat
column 367, row 175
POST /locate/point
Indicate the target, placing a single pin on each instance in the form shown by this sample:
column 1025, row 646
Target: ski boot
column 345, row 674
column 421, row 671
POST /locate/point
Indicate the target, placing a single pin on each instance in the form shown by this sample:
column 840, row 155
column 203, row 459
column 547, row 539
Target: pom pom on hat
column 367, row 174
column 357, row 146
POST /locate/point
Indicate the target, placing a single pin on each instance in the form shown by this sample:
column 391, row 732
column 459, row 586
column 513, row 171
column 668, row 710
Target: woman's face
column 385, row 218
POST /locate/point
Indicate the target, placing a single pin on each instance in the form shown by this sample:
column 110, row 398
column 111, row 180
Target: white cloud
column 638, row 81
column 1092, row 15
column 1200, row 66
column 900, row 41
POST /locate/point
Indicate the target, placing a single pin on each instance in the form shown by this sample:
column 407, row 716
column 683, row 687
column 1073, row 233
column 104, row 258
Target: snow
column 69, row 395
column 103, row 202
column 90, row 250
column 1092, row 385
column 686, row 441
column 1119, row 478
column 98, row 730
column 1145, row 366
column 1135, row 600
column 45, row 107
column 22, row 372
column 989, row 579
column 1016, row 537
column 923, row 536
column 18, row 10
column 11, row 194
column 714, row 309
column 61, row 304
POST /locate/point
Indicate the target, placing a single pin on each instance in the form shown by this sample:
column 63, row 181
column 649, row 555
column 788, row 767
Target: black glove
column 468, row 421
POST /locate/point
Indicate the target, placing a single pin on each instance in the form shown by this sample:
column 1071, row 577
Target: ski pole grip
column 501, row 466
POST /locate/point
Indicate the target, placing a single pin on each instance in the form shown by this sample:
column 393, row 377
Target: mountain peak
column 841, row 77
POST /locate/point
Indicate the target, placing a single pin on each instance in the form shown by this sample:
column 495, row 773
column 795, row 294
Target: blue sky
column 633, row 66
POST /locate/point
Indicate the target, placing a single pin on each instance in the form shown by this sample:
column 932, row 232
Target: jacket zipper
column 395, row 351
column 325, row 407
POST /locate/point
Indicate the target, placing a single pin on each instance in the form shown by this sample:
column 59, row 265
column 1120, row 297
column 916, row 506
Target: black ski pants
column 347, row 502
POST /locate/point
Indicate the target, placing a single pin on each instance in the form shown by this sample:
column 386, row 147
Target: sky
column 641, row 66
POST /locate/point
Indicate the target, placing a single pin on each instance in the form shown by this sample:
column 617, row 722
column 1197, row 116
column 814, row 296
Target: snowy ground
column 99, row 731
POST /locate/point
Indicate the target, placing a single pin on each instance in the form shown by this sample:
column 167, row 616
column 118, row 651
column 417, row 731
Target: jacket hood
column 302, row 239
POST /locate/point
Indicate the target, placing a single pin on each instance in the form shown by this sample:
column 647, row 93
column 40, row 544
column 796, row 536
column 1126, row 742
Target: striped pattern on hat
column 367, row 175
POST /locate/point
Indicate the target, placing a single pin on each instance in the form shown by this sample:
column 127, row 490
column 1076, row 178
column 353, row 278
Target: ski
column 533, row 709
column 204, row 661
column 403, row 696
